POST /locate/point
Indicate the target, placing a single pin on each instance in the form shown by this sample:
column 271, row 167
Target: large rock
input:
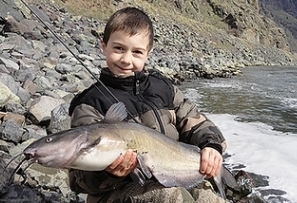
column 11, row 131
column 42, row 107
column 60, row 119
column 9, row 7
column 7, row 96
column 9, row 63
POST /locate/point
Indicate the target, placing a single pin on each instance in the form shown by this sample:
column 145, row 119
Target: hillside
column 207, row 17
column 216, row 37
column 284, row 13
column 232, row 26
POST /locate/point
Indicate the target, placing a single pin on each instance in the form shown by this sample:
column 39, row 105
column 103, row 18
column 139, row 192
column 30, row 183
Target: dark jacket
column 153, row 101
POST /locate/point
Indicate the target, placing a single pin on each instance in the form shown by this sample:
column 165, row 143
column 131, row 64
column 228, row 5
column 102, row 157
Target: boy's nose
column 126, row 58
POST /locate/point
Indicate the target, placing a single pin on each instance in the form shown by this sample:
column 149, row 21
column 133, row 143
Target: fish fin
column 137, row 176
column 219, row 186
column 116, row 112
column 142, row 172
column 145, row 170
column 224, row 178
column 228, row 178
column 187, row 179
column 92, row 144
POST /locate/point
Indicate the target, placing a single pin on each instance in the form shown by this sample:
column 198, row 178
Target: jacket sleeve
column 194, row 127
column 91, row 182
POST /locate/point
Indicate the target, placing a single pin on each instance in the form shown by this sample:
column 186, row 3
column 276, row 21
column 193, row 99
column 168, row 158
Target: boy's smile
column 126, row 54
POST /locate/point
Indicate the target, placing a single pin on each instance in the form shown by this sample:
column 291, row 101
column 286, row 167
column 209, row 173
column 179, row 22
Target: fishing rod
column 80, row 61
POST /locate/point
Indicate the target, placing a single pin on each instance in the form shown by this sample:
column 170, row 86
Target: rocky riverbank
column 39, row 77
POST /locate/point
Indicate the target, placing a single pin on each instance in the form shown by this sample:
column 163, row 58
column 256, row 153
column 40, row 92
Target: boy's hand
column 211, row 162
column 123, row 165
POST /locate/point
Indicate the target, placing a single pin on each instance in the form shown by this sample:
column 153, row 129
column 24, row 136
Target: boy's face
column 126, row 54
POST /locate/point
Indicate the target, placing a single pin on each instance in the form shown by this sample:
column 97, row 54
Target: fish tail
column 226, row 178
column 219, row 185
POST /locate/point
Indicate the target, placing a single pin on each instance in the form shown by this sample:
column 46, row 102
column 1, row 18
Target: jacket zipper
column 152, row 105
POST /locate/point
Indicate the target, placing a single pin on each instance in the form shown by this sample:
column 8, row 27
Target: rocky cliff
column 237, row 18
column 215, row 35
column 284, row 13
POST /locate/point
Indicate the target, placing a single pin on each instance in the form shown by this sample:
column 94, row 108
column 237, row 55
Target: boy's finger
column 127, row 159
column 219, row 166
column 204, row 162
column 116, row 163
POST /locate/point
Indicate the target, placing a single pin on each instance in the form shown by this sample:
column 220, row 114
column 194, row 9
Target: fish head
column 105, row 146
column 56, row 150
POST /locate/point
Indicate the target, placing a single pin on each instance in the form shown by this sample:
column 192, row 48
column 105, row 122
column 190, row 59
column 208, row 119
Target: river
column 257, row 113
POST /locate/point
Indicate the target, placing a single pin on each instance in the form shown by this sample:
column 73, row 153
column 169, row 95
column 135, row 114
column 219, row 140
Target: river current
column 257, row 113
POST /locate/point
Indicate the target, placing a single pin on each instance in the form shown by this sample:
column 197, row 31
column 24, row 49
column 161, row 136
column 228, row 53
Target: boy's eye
column 118, row 48
column 138, row 52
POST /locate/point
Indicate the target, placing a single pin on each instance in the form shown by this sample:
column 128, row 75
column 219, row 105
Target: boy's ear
column 103, row 46
column 149, row 53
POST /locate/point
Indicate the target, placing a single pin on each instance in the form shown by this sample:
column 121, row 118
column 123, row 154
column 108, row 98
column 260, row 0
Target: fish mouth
column 30, row 154
column 33, row 158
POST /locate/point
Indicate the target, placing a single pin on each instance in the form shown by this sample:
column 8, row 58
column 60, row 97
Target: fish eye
column 49, row 139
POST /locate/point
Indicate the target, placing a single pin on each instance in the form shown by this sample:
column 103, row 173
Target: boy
column 152, row 100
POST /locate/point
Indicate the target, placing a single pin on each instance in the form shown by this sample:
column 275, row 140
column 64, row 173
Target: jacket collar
column 126, row 84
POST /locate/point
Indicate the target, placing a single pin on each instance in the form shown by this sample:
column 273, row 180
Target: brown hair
column 130, row 20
